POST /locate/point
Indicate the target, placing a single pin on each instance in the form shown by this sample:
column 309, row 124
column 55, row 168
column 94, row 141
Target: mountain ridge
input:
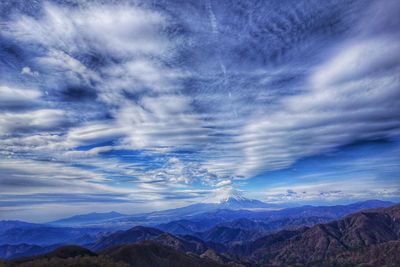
column 199, row 209
column 323, row 243
column 88, row 217
column 248, row 224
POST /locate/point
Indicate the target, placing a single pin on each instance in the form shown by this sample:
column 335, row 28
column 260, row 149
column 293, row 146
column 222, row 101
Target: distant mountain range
column 45, row 235
column 366, row 238
column 88, row 218
column 216, row 229
column 232, row 201
column 229, row 207
column 267, row 220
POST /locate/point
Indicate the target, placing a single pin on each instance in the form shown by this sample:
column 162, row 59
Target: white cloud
column 42, row 119
column 351, row 97
column 161, row 122
column 45, row 176
column 71, row 69
column 94, row 132
column 32, row 143
column 13, row 96
column 356, row 60
column 223, row 183
column 355, row 189
column 28, row 71
column 196, row 116
column 129, row 38
column 129, row 29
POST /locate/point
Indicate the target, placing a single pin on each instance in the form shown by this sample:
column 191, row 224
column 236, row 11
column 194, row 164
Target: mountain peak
column 230, row 198
column 231, row 195
column 225, row 195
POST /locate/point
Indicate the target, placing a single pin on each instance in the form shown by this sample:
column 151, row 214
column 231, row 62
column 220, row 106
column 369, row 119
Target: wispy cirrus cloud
column 344, row 104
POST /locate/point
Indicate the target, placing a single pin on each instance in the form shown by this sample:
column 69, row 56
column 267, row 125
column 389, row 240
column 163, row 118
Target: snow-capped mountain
column 242, row 203
column 234, row 199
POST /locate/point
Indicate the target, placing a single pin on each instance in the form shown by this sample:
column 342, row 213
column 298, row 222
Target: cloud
column 14, row 97
column 223, row 183
column 35, row 176
column 162, row 99
column 94, row 132
column 71, row 68
column 353, row 96
column 42, row 119
column 28, row 71
column 161, row 122
column 332, row 191
column 68, row 29
column 151, row 109
column 357, row 60
column 73, row 49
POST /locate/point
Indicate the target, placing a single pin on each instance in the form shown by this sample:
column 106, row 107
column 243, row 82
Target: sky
column 136, row 106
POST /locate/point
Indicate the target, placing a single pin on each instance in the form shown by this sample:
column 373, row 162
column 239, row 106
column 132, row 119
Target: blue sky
column 144, row 105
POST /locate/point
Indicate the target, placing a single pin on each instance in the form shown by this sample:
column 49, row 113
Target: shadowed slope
column 355, row 235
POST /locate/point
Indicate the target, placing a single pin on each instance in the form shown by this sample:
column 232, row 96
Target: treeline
column 80, row 261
